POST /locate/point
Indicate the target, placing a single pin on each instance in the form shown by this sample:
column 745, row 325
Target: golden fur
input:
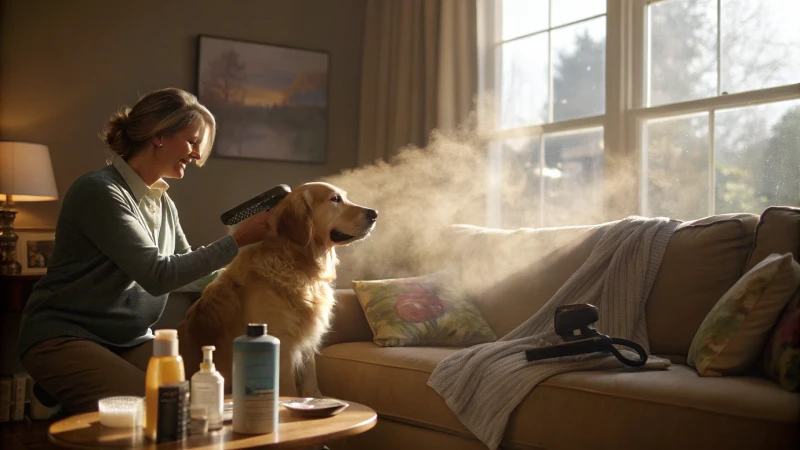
column 284, row 281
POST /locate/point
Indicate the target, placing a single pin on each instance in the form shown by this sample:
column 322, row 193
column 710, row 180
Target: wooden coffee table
column 84, row 431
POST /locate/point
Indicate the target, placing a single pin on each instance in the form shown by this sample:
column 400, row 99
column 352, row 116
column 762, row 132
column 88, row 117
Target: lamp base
column 8, row 243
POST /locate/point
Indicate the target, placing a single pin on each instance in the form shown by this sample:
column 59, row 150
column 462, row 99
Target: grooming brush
column 255, row 205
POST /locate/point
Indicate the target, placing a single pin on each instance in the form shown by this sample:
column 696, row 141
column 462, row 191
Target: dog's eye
column 336, row 199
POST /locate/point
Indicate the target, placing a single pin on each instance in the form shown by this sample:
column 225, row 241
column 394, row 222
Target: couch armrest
column 349, row 322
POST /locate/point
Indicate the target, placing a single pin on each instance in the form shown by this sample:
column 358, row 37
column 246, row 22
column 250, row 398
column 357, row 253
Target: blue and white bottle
column 255, row 381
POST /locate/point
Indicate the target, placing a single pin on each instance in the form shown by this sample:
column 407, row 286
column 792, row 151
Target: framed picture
column 34, row 250
column 270, row 102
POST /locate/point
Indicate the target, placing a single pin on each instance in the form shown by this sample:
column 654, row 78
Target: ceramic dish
column 314, row 407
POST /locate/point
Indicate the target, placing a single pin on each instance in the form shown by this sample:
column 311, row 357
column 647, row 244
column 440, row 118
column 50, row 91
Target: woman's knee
column 79, row 372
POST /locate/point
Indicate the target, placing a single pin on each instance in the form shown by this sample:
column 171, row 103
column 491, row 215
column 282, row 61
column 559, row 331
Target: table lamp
column 26, row 175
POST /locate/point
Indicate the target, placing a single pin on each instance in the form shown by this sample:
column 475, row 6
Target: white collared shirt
column 149, row 198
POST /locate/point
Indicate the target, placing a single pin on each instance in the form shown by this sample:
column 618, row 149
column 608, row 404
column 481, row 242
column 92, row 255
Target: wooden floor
column 25, row 435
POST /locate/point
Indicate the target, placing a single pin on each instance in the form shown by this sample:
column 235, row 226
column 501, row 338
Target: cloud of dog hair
column 421, row 193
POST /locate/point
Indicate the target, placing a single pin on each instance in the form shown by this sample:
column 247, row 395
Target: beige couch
column 618, row 409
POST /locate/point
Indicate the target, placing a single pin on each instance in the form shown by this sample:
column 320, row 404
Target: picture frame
column 34, row 250
column 270, row 101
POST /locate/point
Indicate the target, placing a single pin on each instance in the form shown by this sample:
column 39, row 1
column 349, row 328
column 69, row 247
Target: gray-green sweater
column 113, row 266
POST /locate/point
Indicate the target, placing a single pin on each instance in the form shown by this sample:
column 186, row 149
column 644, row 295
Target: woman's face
column 179, row 150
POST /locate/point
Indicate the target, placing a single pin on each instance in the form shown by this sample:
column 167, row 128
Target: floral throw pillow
column 733, row 334
column 782, row 353
column 420, row 311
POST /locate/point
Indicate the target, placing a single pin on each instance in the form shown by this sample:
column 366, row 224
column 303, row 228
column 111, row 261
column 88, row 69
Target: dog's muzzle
column 338, row 237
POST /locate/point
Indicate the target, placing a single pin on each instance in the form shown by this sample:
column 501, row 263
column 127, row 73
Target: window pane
column 677, row 154
column 683, row 50
column 579, row 57
column 566, row 11
column 521, row 17
column 518, row 162
column 524, row 81
column 757, row 157
column 760, row 44
column 573, row 177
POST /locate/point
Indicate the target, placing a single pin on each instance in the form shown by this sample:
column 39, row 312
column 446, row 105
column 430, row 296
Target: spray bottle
column 208, row 389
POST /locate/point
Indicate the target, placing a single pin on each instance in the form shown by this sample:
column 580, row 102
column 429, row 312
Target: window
column 549, row 59
column 696, row 102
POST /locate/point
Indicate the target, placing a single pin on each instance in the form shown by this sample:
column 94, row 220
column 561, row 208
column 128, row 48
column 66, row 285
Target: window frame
column 626, row 109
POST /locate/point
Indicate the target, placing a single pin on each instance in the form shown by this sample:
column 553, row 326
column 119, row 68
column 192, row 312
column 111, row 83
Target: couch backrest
column 510, row 274
column 703, row 259
column 778, row 231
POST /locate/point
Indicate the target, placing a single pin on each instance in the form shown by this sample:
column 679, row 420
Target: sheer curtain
column 420, row 72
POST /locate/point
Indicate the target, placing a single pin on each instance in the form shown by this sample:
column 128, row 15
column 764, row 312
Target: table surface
column 84, row 431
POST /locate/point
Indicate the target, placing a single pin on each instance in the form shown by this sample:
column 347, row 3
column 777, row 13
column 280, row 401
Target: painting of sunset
column 270, row 102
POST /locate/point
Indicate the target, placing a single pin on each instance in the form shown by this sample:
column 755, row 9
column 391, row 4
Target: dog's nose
column 372, row 215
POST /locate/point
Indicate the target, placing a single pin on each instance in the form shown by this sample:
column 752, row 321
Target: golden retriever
column 285, row 282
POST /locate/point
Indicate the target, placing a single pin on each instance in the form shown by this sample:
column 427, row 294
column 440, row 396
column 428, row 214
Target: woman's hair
column 162, row 112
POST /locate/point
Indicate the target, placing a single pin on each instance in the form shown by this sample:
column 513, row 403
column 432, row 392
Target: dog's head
column 320, row 213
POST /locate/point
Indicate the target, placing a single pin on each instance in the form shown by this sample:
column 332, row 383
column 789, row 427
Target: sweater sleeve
column 181, row 247
column 100, row 210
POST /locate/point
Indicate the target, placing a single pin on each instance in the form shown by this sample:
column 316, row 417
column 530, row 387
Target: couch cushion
column 421, row 311
column 778, row 231
column 626, row 407
column 390, row 380
column 782, row 352
column 704, row 258
column 733, row 334
column 668, row 409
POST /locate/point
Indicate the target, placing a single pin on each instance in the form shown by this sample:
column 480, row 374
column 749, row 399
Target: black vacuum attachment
column 255, row 205
column 575, row 325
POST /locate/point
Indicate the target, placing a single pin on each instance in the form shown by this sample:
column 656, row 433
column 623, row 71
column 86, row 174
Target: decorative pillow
column 782, row 354
column 733, row 333
column 420, row 311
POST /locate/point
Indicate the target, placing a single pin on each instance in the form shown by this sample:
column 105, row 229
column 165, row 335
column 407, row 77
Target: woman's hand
column 253, row 229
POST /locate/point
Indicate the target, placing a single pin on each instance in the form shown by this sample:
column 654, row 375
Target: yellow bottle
column 165, row 366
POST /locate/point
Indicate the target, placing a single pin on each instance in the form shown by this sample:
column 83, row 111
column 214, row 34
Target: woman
column 119, row 251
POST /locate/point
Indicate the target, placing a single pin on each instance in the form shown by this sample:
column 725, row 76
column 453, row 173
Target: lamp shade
column 26, row 173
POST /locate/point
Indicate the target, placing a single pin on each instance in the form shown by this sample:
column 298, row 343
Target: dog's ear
column 294, row 221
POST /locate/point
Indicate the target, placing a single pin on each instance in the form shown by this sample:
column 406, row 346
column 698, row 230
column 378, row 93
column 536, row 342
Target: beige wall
column 65, row 66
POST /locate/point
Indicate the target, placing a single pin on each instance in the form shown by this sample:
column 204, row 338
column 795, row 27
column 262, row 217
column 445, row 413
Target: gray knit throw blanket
column 483, row 384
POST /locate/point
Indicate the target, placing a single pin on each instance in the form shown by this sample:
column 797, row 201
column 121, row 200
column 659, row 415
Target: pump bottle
column 208, row 389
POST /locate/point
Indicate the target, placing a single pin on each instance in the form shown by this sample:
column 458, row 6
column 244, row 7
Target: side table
column 84, row 431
